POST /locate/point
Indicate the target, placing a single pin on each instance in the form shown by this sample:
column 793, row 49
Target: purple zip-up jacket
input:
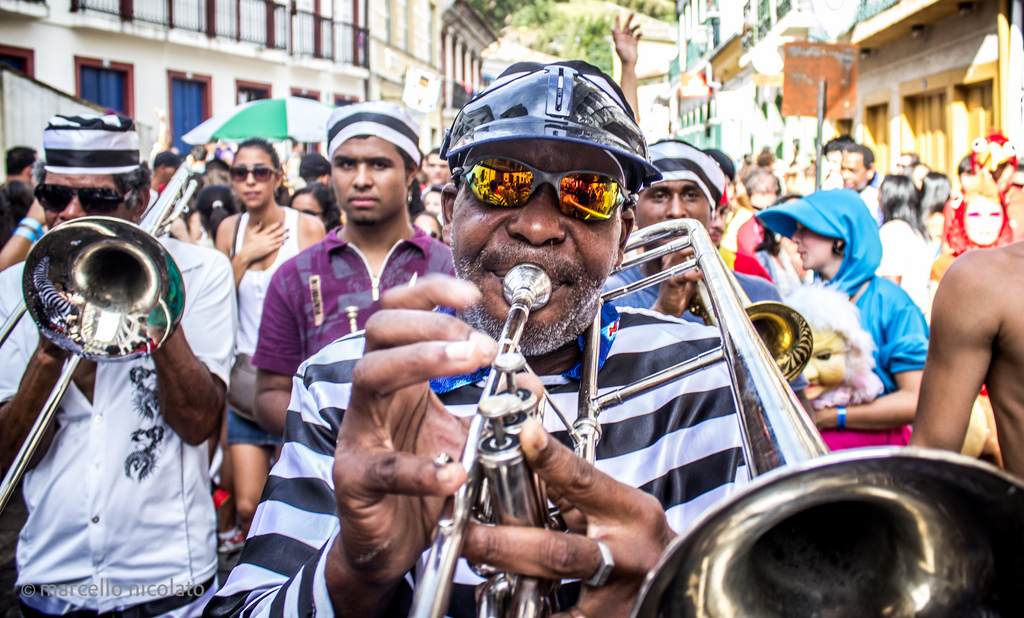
column 296, row 324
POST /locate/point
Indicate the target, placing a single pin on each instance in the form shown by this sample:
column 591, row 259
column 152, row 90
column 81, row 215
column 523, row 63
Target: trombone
column 783, row 330
column 500, row 488
column 103, row 289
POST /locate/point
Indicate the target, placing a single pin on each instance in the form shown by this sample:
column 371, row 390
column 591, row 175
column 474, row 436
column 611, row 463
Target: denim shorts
column 241, row 431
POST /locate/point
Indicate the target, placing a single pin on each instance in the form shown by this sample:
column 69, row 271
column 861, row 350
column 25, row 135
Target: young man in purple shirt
column 332, row 288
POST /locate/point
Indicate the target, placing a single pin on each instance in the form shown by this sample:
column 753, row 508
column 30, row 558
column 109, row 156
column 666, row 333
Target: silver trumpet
column 500, row 487
column 103, row 289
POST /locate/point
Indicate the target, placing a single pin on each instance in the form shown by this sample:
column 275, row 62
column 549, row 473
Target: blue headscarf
column 837, row 214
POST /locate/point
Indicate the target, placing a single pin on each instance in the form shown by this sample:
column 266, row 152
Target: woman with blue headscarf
column 837, row 238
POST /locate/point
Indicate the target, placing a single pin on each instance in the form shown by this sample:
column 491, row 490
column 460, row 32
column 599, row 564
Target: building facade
column 465, row 34
column 191, row 59
column 188, row 58
column 935, row 75
column 736, row 48
column 932, row 74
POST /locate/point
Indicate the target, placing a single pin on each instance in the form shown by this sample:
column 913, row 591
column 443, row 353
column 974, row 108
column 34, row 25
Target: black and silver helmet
column 570, row 101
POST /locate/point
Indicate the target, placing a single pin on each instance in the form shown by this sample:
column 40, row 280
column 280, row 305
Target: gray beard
column 581, row 306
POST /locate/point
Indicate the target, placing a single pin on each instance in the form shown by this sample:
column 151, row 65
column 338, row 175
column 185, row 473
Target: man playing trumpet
column 375, row 417
column 119, row 511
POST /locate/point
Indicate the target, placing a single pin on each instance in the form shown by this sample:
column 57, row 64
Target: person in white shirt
column 906, row 253
column 120, row 517
column 858, row 172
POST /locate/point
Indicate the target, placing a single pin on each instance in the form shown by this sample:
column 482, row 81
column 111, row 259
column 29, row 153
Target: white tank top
column 252, row 289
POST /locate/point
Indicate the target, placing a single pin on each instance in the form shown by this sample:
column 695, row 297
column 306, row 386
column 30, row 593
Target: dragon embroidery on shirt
column 140, row 463
column 145, row 396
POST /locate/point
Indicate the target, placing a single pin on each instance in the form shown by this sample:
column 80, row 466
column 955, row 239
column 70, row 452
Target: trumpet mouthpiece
column 528, row 284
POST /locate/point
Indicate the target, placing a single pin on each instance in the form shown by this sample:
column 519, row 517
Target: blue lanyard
column 609, row 324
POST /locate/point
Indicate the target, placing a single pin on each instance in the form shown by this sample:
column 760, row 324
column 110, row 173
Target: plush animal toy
column 840, row 371
column 990, row 152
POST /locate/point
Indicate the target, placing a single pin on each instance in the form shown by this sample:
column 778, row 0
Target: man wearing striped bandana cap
column 120, row 516
column 544, row 164
column 333, row 287
column 692, row 186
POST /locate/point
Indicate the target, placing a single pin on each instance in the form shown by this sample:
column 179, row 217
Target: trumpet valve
column 497, row 409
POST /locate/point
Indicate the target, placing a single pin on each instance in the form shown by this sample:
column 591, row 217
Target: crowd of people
column 311, row 408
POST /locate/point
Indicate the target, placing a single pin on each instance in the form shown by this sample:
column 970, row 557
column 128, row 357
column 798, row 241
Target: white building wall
column 153, row 51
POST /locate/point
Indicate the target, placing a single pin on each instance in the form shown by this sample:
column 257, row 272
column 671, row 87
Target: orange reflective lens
column 590, row 196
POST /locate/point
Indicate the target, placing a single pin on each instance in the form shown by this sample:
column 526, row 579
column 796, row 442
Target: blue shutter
column 104, row 87
column 15, row 62
column 187, row 109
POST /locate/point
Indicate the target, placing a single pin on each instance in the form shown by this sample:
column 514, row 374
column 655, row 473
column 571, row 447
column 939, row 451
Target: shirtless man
column 968, row 348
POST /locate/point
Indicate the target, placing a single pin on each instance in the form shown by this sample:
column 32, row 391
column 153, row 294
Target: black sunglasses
column 94, row 200
column 262, row 173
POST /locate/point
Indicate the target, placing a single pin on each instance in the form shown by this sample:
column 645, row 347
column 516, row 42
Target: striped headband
column 681, row 161
column 388, row 121
column 91, row 145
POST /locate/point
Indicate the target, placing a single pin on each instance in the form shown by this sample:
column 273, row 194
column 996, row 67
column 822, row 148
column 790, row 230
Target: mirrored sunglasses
column 585, row 195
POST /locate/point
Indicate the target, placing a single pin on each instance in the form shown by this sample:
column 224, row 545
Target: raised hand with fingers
column 627, row 40
column 616, row 532
column 388, row 488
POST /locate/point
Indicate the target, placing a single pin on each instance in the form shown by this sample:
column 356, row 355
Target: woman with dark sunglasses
column 258, row 241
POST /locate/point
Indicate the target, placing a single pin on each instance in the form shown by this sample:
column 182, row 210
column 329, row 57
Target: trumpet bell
column 785, row 333
column 103, row 289
column 870, row 532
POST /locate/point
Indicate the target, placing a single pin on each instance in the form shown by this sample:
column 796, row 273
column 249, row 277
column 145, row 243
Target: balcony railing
column 320, row 37
column 764, row 18
column 262, row 22
column 460, row 96
column 782, row 8
column 870, row 8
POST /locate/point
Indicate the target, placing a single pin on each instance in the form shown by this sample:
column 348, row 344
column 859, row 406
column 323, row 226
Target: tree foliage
column 568, row 29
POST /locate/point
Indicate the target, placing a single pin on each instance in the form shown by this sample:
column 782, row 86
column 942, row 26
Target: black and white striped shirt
column 680, row 442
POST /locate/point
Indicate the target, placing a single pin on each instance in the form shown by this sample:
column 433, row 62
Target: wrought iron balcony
column 764, row 18
column 747, row 40
column 321, row 37
column 460, row 96
column 782, row 8
column 870, row 8
column 261, row 22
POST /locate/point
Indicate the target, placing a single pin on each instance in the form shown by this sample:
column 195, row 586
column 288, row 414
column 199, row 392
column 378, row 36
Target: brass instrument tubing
column 11, row 322
column 35, row 436
column 657, row 253
column 664, row 275
column 620, row 395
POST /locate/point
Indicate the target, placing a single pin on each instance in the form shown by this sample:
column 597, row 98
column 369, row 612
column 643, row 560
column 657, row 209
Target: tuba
column 103, row 289
column 501, row 489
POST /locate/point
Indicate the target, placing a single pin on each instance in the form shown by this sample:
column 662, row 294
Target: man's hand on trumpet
column 388, row 488
column 390, row 491
column 596, row 508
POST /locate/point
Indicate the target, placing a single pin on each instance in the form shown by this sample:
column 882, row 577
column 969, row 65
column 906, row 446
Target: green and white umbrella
column 302, row 120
